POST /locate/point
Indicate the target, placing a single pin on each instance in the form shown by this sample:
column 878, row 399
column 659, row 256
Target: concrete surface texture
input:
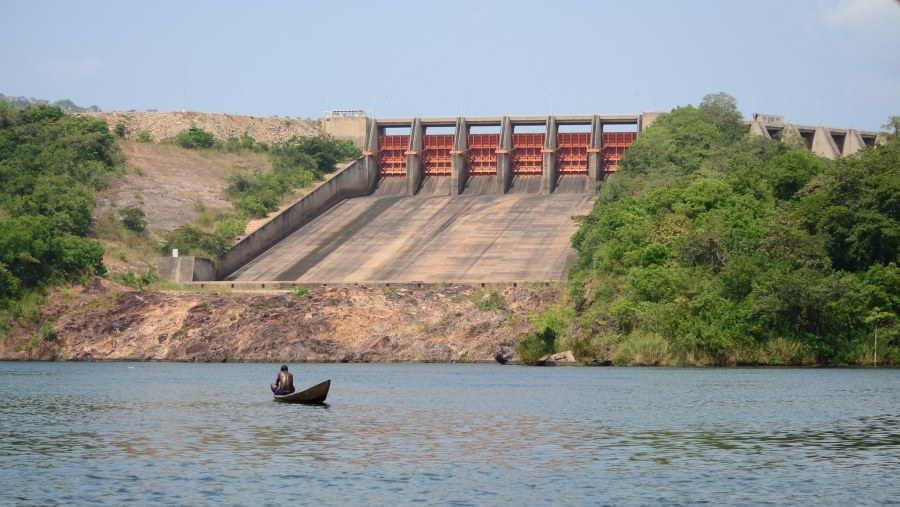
column 462, row 239
column 185, row 269
column 357, row 180
column 352, row 128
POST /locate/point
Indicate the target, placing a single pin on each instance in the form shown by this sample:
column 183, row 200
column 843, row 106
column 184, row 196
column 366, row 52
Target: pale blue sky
column 835, row 62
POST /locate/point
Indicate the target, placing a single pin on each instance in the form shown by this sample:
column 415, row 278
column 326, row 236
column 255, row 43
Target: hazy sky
column 835, row 62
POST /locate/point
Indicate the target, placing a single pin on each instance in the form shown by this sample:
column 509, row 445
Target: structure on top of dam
column 828, row 142
column 550, row 153
column 491, row 202
column 457, row 200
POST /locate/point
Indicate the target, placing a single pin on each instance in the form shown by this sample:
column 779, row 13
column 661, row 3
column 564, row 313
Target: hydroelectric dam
column 476, row 201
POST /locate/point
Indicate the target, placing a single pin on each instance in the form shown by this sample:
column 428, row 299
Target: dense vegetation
column 51, row 164
column 713, row 247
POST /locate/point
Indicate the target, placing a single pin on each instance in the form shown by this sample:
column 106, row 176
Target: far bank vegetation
column 714, row 247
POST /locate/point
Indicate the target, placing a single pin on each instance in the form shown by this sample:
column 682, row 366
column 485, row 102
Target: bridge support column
column 413, row 158
column 595, row 154
column 548, row 159
column 504, row 156
column 459, row 172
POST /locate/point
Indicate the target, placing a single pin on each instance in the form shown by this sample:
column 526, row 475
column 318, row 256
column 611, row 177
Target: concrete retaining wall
column 185, row 269
column 353, row 128
column 358, row 180
column 251, row 286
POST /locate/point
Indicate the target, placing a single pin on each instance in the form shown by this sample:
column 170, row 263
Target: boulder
column 559, row 359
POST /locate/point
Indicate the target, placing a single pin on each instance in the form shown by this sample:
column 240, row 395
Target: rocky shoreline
column 107, row 322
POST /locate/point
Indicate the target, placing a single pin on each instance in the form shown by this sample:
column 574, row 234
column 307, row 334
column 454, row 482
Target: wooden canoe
column 315, row 394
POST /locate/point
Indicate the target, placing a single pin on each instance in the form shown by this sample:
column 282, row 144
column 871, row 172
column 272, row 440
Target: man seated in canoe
column 284, row 383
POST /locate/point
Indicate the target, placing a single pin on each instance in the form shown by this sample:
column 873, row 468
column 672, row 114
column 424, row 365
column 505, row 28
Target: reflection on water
column 116, row 433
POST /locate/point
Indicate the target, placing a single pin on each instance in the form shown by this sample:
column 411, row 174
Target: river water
column 447, row 434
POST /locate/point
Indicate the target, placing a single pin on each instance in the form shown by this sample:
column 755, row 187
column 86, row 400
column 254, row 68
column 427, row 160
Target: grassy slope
column 173, row 186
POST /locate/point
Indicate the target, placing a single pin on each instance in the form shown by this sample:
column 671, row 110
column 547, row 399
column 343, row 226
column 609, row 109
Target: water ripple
column 450, row 434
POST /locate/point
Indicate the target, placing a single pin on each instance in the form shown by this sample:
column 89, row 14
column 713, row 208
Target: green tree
column 134, row 219
column 856, row 206
column 721, row 110
column 532, row 346
column 892, row 127
column 144, row 136
column 195, row 137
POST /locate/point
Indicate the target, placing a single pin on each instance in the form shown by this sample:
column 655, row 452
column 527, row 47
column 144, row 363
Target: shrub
column 532, row 346
column 48, row 332
column 189, row 239
column 195, row 137
column 493, row 300
column 144, row 136
column 120, row 130
column 645, row 350
column 133, row 219
column 243, row 143
column 109, row 227
column 299, row 292
column 135, row 281
column 185, row 238
column 781, row 351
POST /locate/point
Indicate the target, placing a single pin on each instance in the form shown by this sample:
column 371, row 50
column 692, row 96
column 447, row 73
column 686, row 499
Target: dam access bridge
column 478, row 201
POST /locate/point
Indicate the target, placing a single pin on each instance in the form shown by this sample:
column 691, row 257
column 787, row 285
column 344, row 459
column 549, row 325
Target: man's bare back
column 284, row 382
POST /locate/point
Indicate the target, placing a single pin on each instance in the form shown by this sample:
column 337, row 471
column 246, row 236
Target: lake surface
column 447, row 434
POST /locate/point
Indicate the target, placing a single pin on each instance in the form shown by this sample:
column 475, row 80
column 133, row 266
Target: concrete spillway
column 466, row 239
column 468, row 207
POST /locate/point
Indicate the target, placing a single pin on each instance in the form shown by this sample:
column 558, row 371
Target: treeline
column 51, row 165
column 65, row 104
column 713, row 247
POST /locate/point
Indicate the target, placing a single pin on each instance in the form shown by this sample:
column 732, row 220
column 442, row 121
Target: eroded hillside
column 104, row 321
column 165, row 125
column 170, row 184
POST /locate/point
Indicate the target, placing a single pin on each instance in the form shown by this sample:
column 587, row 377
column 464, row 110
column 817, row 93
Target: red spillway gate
column 436, row 157
column 526, row 154
column 572, row 152
column 391, row 155
column 614, row 146
column 482, row 154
